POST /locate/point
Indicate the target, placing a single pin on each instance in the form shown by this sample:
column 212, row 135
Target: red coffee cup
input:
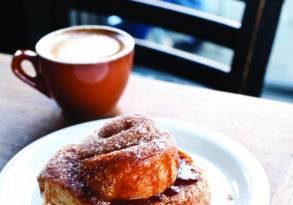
column 89, row 88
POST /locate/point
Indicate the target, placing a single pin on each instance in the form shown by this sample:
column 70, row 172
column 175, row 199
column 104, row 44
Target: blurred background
column 24, row 22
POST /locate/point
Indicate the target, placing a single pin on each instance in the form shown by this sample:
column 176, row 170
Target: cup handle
column 37, row 81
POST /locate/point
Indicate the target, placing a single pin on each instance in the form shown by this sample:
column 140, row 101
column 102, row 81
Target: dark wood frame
column 251, row 40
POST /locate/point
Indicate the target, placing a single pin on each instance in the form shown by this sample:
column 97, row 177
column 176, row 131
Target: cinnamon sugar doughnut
column 128, row 158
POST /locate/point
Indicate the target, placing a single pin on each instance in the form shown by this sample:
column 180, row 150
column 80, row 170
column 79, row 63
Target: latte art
column 84, row 46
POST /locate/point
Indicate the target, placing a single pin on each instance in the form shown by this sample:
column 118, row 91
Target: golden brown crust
column 128, row 158
column 134, row 159
column 184, row 194
column 116, row 176
column 128, row 161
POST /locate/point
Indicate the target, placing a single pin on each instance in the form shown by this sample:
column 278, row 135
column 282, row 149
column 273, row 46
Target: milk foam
column 82, row 47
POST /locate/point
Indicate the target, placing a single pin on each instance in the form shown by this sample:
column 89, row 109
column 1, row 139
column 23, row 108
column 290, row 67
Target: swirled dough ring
column 128, row 158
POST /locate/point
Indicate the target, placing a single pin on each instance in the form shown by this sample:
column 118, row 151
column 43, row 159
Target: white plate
column 232, row 171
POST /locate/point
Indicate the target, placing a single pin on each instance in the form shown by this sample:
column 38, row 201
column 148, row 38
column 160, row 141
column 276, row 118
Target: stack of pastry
column 128, row 161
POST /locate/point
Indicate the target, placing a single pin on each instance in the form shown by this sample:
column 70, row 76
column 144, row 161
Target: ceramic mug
column 88, row 89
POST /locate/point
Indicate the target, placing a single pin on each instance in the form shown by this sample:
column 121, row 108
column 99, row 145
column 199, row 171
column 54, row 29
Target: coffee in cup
column 84, row 68
column 83, row 45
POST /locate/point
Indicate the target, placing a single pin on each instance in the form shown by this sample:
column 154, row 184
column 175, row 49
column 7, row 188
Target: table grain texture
column 264, row 127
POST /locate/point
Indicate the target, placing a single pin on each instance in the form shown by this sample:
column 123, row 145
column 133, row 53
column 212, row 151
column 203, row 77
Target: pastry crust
column 188, row 193
column 128, row 161
column 140, row 160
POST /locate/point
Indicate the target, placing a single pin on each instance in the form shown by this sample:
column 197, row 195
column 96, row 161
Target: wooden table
column 262, row 126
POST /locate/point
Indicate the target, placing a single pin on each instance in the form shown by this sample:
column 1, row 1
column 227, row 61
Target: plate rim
column 262, row 182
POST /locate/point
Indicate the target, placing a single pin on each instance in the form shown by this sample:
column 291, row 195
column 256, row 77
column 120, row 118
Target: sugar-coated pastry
column 128, row 161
